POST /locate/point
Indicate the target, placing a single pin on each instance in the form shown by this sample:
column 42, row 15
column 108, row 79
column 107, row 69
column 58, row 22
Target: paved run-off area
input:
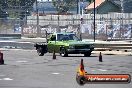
column 25, row 69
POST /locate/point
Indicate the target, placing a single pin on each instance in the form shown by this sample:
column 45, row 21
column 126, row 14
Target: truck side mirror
column 48, row 40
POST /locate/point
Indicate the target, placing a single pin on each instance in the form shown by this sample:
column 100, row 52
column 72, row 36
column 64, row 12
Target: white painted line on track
column 6, row 41
column 93, row 70
column 55, row 73
column 7, row 79
column 21, row 61
column 102, row 70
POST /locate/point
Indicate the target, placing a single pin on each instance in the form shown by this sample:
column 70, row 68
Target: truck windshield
column 66, row 37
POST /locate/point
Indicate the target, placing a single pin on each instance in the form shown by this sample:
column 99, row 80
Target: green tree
column 22, row 6
column 90, row 1
column 26, row 7
column 3, row 5
column 62, row 6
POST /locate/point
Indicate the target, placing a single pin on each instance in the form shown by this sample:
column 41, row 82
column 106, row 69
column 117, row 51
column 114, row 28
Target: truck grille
column 82, row 46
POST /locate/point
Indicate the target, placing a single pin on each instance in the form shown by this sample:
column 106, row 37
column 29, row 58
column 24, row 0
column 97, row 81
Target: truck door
column 51, row 44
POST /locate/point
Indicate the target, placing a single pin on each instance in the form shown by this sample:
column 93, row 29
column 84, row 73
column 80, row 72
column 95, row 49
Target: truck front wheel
column 40, row 51
column 63, row 52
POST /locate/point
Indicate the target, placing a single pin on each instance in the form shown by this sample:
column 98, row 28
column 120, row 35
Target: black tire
column 1, row 62
column 87, row 54
column 40, row 51
column 63, row 52
column 80, row 80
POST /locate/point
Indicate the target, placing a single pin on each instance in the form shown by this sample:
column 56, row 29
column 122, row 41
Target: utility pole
column 94, row 20
column 122, row 11
column 82, row 20
column 58, row 18
column 77, row 6
column 37, row 14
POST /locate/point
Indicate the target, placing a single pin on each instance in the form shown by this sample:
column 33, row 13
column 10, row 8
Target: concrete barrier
column 112, row 45
column 10, row 36
column 109, row 47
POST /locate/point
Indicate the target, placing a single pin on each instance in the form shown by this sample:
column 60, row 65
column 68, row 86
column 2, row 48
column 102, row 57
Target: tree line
column 25, row 6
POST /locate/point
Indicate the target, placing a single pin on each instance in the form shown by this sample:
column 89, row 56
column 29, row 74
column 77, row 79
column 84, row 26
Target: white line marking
column 93, row 70
column 55, row 73
column 102, row 70
column 21, row 61
column 6, row 41
column 7, row 79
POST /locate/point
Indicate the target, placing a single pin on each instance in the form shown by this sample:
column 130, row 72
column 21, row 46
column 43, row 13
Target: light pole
column 37, row 14
column 58, row 17
column 82, row 20
column 77, row 6
column 58, row 22
column 122, row 10
column 94, row 20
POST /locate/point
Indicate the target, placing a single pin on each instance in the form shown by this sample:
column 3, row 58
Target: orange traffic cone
column 81, row 65
column 80, row 77
column 1, row 58
column 100, row 57
column 81, row 69
column 54, row 56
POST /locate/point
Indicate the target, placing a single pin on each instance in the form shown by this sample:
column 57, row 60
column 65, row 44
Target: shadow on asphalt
column 109, row 54
column 67, row 56
column 82, row 56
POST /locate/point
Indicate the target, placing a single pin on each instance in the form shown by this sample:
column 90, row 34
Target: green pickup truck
column 64, row 43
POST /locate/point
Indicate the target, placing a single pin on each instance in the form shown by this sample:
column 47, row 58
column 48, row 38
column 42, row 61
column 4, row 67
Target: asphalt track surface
column 25, row 69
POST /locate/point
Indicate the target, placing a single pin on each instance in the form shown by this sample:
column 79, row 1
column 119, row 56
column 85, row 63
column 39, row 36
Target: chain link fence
column 108, row 26
column 11, row 26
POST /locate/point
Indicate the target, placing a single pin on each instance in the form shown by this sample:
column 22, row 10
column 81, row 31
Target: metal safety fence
column 108, row 26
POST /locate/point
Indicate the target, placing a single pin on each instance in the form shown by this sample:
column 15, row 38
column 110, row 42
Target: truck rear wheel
column 63, row 52
column 40, row 51
column 87, row 54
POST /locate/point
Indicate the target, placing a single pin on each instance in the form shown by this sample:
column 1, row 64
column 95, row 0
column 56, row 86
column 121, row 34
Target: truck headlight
column 71, row 46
